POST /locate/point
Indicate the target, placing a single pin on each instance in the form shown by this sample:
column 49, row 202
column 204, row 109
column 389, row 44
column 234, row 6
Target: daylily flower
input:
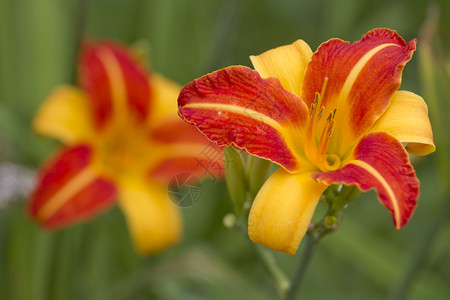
column 330, row 117
column 123, row 141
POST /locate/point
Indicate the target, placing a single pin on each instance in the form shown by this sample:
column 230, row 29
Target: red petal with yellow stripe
column 115, row 83
column 181, row 148
column 362, row 77
column 69, row 190
column 235, row 106
column 381, row 163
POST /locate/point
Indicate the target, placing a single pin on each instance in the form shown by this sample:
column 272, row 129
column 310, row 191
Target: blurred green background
column 365, row 259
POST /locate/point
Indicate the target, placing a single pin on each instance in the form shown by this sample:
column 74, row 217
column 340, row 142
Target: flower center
column 316, row 144
column 123, row 150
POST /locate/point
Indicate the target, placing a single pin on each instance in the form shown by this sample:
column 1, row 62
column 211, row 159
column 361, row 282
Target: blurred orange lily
column 123, row 140
column 330, row 117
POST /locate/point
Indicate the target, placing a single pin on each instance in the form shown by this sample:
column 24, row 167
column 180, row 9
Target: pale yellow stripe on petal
column 76, row 184
column 117, row 85
column 287, row 133
column 350, row 80
column 385, row 185
column 239, row 110
column 163, row 152
column 340, row 142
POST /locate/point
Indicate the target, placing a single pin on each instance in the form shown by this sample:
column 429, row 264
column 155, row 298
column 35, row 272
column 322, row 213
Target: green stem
column 310, row 243
column 337, row 199
column 236, row 180
column 280, row 278
column 258, row 171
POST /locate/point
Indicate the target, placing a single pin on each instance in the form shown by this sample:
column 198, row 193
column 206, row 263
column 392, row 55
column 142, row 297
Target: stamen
column 325, row 81
column 315, row 115
column 324, row 137
column 330, row 131
column 321, row 152
column 320, row 112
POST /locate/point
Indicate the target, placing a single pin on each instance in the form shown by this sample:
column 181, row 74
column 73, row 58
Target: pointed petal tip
column 287, row 63
column 65, row 115
column 69, row 190
column 381, row 163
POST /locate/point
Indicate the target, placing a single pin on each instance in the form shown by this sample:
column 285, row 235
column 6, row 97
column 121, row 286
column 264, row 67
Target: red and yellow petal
column 116, row 83
column 407, row 120
column 380, row 162
column 287, row 63
column 282, row 210
column 153, row 220
column 235, row 106
column 164, row 94
column 66, row 116
column 69, row 190
column 178, row 147
column 181, row 148
column 362, row 77
column 174, row 131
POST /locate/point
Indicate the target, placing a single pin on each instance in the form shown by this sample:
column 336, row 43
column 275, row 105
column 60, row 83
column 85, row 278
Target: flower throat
column 316, row 151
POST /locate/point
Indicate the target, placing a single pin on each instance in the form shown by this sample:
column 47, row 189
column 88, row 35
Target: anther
column 330, row 116
column 316, row 99
column 320, row 113
column 330, row 130
column 312, row 149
